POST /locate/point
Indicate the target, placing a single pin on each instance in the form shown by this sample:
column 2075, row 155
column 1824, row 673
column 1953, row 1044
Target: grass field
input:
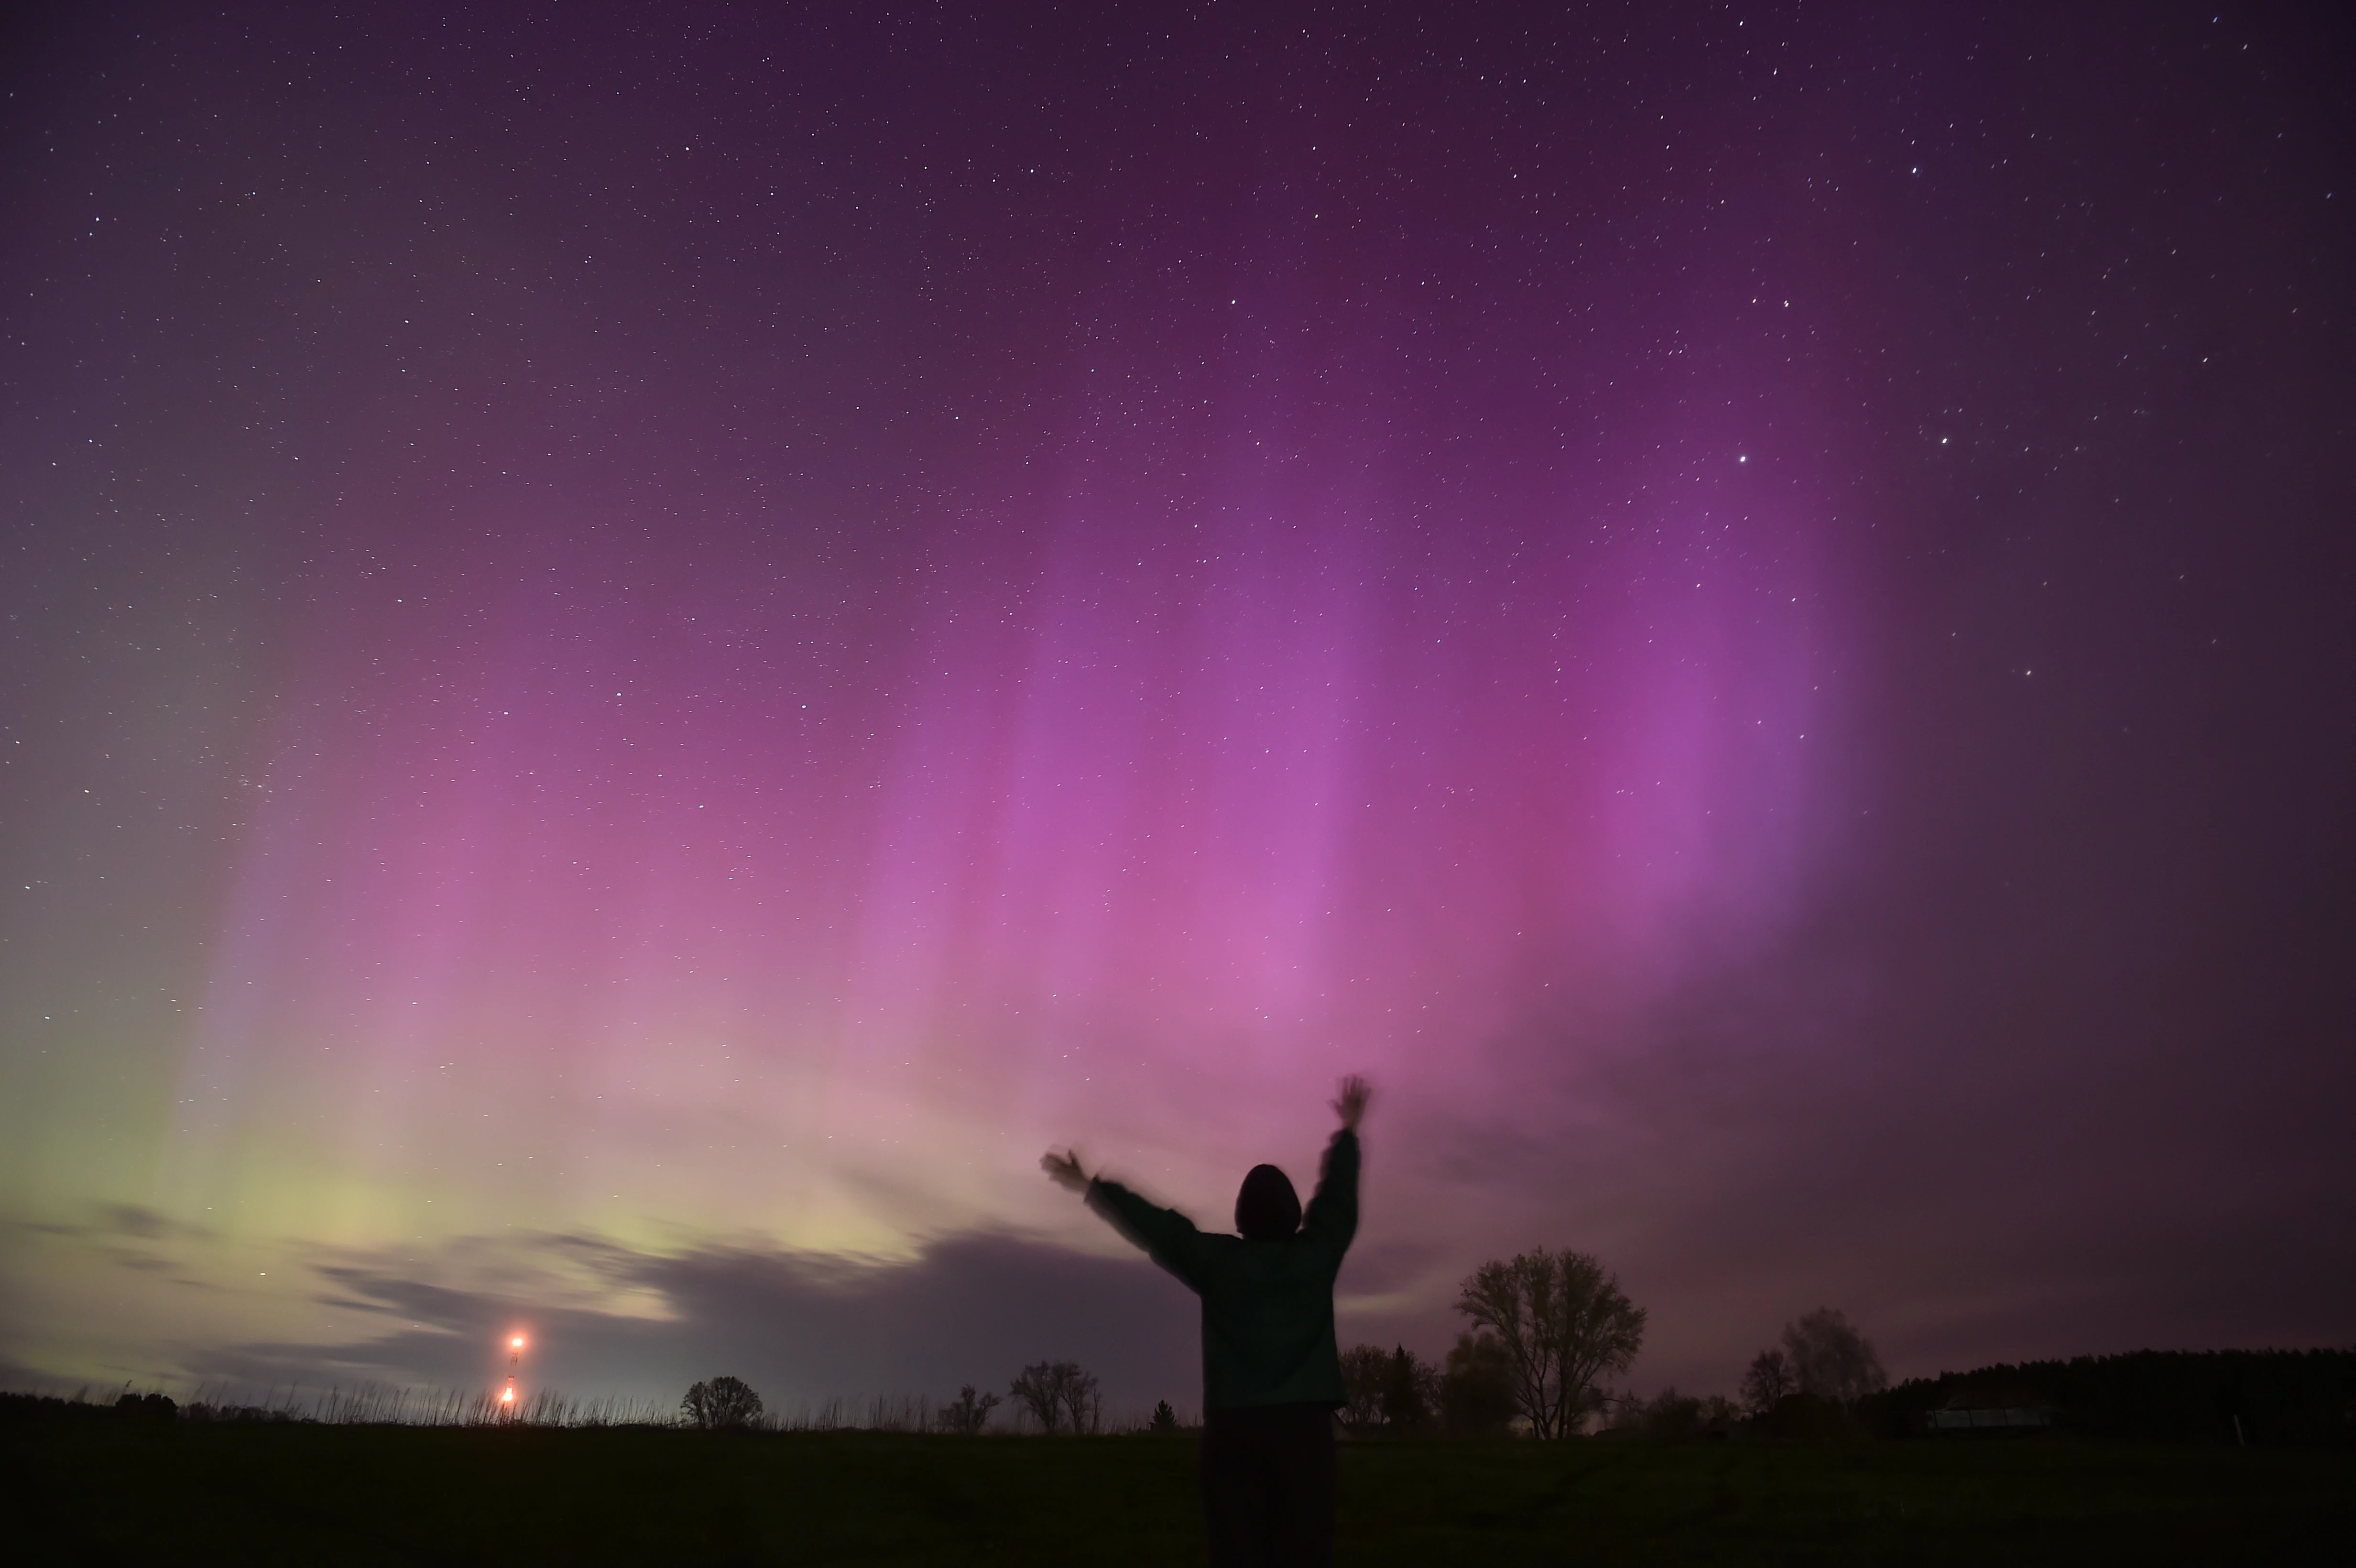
column 98, row 1491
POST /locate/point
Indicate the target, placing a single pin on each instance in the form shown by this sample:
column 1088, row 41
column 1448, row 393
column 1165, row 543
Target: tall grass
column 389, row 1404
column 884, row 1413
column 384, row 1404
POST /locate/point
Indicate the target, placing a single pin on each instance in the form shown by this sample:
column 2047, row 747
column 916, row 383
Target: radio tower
column 515, row 1360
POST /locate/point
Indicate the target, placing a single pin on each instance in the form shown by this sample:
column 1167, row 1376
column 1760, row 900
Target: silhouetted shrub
column 721, row 1404
column 1165, row 1420
column 1476, row 1390
column 237, row 1413
column 966, row 1416
column 1391, row 1392
column 146, row 1407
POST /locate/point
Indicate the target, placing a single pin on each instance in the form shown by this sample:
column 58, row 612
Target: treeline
column 2173, row 1396
column 140, row 1407
column 1396, row 1393
column 368, row 1404
column 2269, row 1397
column 1058, row 1398
column 1548, row 1328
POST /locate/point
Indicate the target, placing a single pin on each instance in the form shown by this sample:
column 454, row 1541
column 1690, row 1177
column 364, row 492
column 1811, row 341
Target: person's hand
column 1352, row 1105
column 1064, row 1170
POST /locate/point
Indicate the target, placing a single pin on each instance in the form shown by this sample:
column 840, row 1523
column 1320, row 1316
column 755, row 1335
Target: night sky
column 646, row 649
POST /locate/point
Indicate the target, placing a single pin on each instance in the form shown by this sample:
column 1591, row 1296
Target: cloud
column 799, row 1328
column 119, row 1222
column 16, row 1377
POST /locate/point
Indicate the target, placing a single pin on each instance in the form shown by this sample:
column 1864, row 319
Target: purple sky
column 646, row 649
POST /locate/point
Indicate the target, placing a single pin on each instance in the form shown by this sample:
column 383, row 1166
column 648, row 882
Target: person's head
column 1267, row 1209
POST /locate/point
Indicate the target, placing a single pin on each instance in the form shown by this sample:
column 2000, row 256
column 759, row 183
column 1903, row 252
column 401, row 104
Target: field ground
column 100, row 1491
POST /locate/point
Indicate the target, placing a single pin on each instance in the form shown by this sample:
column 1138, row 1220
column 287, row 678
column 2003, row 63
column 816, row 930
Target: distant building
column 1989, row 1413
column 2012, row 1415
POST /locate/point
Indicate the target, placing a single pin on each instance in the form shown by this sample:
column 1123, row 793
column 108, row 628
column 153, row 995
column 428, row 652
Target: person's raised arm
column 1168, row 1235
column 1064, row 1170
column 1352, row 1104
column 1333, row 1214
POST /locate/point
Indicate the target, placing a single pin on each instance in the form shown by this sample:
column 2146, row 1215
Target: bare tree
column 1059, row 1396
column 1767, row 1380
column 1832, row 1360
column 721, row 1404
column 966, row 1416
column 1082, row 1408
column 1037, row 1390
column 1563, row 1323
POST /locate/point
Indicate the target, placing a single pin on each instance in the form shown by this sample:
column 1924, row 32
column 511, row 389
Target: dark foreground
column 345, row 1496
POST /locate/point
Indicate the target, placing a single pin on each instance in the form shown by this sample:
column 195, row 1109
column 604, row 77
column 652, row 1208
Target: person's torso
column 1268, row 1322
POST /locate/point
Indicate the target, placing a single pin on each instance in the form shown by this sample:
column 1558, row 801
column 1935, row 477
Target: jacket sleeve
column 1167, row 1234
column 1332, row 1216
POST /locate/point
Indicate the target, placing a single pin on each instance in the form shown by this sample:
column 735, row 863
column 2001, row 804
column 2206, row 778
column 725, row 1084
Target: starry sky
column 646, row 646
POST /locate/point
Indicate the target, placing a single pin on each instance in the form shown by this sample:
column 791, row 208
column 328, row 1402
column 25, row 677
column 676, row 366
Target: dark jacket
column 1267, row 1307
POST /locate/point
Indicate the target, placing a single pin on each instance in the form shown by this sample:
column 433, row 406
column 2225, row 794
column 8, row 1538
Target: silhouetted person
column 1271, row 1371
